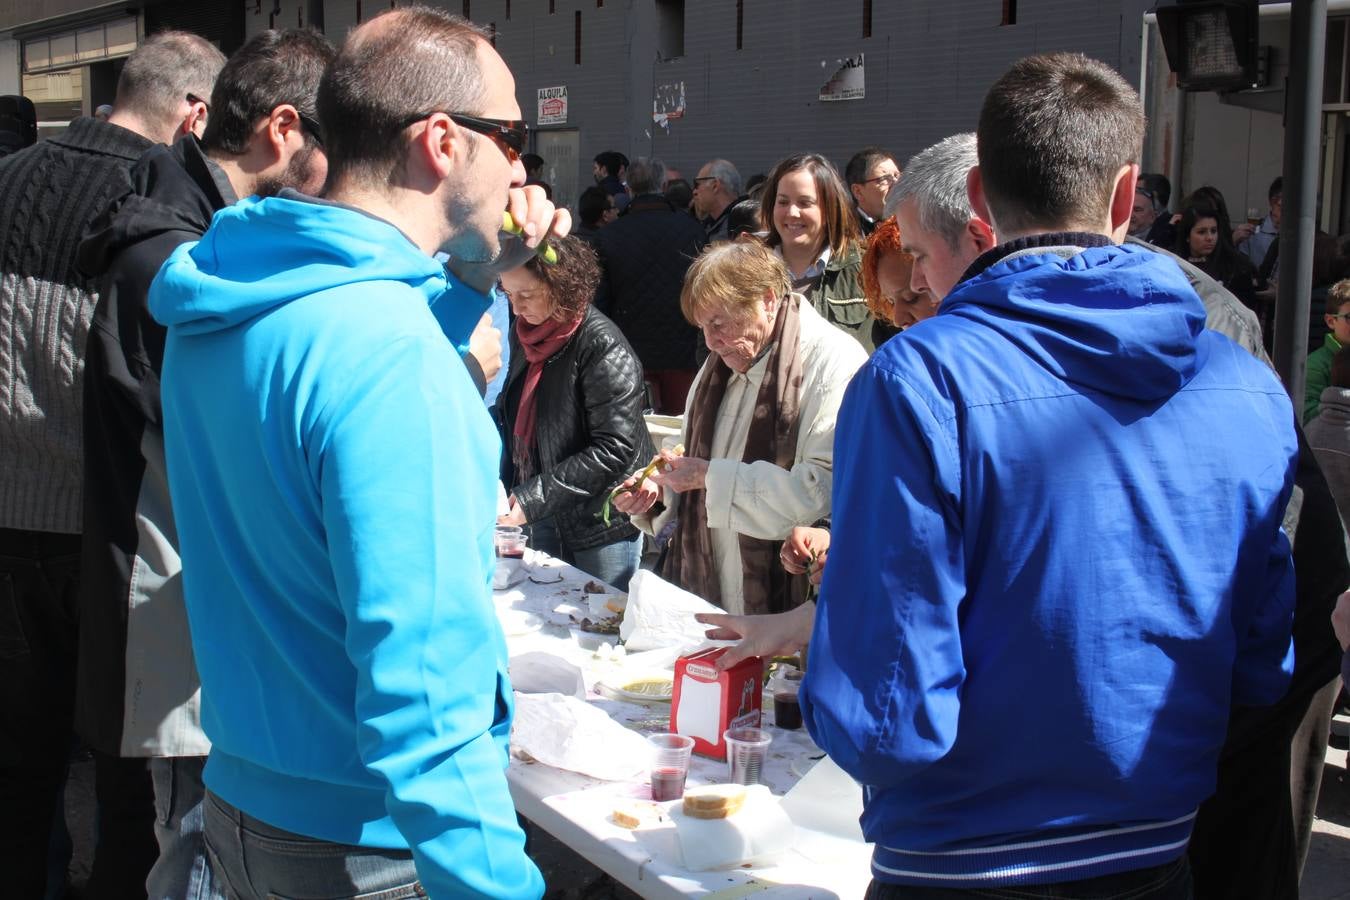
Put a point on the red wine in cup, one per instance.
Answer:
(668, 784)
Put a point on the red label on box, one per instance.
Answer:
(707, 702)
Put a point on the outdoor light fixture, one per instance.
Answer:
(1211, 44)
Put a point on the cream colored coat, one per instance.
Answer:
(761, 499)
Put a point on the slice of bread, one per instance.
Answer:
(715, 801)
(625, 818)
(633, 814)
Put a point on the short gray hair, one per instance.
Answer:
(936, 179)
(157, 78)
(726, 173)
(646, 175)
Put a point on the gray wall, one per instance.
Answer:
(928, 65)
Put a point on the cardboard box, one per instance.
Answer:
(707, 702)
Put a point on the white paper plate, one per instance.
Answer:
(623, 686)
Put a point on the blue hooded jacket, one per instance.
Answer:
(1056, 559)
(332, 468)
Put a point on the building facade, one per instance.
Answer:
(748, 80)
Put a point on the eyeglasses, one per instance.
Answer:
(1338, 316)
(882, 180)
(312, 127)
(193, 98)
(509, 135)
(705, 178)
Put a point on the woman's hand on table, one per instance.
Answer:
(806, 549)
(682, 473)
(515, 517)
(775, 634)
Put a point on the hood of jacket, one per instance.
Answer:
(1119, 320)
(173, 189)
(260, 254)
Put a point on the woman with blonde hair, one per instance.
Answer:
(808, 215)
(758, 433)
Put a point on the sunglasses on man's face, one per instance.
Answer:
(510, 135)
(312, 128)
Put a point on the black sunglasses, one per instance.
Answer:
(311, 127)
(193, 98)
(510, 135)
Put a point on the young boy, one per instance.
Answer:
(1319, 361)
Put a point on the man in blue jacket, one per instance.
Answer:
(1057, 556)
(333, 472)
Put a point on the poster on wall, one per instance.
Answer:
(668, 103)
(847, 82)
(552, 108)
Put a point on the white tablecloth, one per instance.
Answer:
(576, 809)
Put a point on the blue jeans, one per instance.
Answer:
(251, 860)
(181, 872)
(1170, 881)
(613, 563)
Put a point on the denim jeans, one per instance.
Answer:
(39, 587)
(613, 563)
(1170, 881)
(181, 872)
(251, 860)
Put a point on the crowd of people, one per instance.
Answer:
(274, 370)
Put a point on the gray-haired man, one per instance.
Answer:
(937, 224)
(717, 188)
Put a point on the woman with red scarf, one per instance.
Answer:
(571, 416)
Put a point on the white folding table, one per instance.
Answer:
(576, 809)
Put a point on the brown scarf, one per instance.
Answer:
(773, 438)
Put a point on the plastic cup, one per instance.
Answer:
(747, 749)
(670, 764)
(510, 545)
(787, 712)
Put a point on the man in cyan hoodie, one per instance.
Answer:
(333, 473)
(137, 690)
(1057, 555)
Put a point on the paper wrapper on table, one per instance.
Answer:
(571, 734)
(543, 673)
(826, 806)
(661, 615)
(706, 702)
(756, 833)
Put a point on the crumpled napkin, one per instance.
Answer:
(660, 615)
(543, 673)
(572, 734)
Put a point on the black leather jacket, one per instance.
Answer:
(590, 433)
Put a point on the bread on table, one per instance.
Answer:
(715, 801)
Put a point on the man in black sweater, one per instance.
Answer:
(49, 193)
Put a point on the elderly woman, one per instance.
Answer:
(886, 269)
(758, 432)
(571, 414)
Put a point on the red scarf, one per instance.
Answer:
(539, 343)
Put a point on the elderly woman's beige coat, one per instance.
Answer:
(761, 499)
